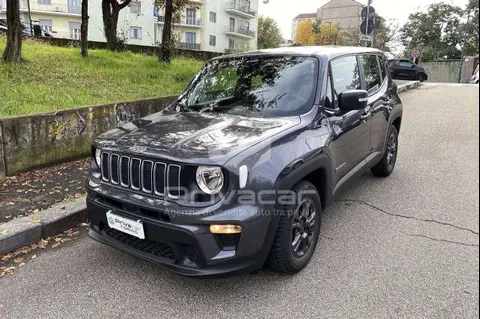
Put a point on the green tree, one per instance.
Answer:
(269, 35)
(473, 38)
(435, 32)
(386, 35)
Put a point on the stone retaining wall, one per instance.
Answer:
(28, 142)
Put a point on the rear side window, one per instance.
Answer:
(372, 74)
(345, 74)
(383, 67)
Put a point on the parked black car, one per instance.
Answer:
(236, 172)
(403, 69)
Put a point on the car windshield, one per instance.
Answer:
(272, 86)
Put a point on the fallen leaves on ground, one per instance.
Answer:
(18, 257)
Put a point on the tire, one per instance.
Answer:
(387, 164)
(421, 77)
(283, 257)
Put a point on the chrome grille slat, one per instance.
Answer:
(141, 175)
(159, 171)
(173, 181)
(135, 173)
(114, 162)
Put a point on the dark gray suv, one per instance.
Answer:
(236, 172)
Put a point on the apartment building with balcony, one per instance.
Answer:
(61, 18)
(210, 25)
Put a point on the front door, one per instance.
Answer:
(380, 101)
(351, 129)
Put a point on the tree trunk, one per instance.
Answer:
(13, 49)
(110, 10)
(166, 46)
(84, 29)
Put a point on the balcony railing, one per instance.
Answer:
(241, 8)
(53, 7)
(188, 46)
(245, 31)
(184, 21)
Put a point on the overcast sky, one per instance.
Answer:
(283, 11)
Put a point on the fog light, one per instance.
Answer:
(225, 229)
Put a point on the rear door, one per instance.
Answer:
(350, 130)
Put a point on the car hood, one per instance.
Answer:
(193, 137)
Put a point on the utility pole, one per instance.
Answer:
(464, 46)
(30, 17)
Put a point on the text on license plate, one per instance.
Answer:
(128, 226)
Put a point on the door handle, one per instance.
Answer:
(364, 117)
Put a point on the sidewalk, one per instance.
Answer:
(30, 192)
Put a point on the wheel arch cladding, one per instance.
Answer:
(397, 123)
(316, 171)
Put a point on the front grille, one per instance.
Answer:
(142, 175)
(145, 245)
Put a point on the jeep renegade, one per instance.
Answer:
(236, 172)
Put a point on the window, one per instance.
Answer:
(191, 15)
(136, 7)
(135, 33)
(213, 17)
(190, 37)
(231, 44)
(330, 101)
(345, 74)
(74, 30)
(46, 25)
(405, 64)
(383, 67)
(213, 40)
(371, 72)
(47, 2)
(274, 86)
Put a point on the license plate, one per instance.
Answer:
(128, 226)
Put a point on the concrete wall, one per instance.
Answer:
(39, 140)
(447, 71)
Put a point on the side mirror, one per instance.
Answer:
(413, 65)
(353, 100)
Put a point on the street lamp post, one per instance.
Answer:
(464, 44)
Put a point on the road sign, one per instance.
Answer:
(366, 37)
(371, 26)
(371, 12)
(415, 54)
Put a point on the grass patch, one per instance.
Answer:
(56, 78)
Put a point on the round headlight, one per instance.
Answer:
(210, 179)
(98, 158)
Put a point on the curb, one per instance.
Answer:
(26, 230)
(408, 86)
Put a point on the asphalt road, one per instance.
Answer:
(402, 247)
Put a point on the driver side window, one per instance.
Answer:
(405, 64)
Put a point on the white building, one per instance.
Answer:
(61, 18)
(209, 25)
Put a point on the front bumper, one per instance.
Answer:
(185, 244)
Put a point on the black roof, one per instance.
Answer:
(321, 51)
